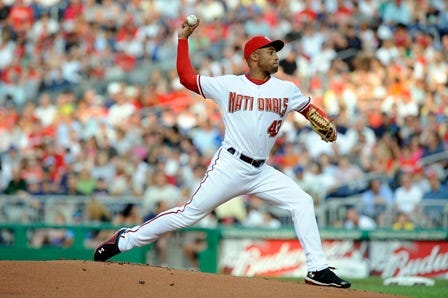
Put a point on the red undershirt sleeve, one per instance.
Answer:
(184, 67)
(304, 112)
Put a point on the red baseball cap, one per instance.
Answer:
(258, 42)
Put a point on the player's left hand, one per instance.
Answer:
(322, 126)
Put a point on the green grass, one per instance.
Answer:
(375, 284)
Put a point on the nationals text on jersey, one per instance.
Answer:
(238, 102)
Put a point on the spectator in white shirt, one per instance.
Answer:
(355, 220)
(44, 28)
(46, 111)
(407, 195)
(122, 109)
(159, 189)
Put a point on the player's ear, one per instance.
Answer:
(254, 56)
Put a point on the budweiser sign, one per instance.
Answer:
(268, 258)
(410, 258)
(276, 257)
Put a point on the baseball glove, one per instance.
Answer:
(321, 125)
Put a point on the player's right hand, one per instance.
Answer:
(186, 29)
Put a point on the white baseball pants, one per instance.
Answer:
(227, 177)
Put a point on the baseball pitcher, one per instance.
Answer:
(254, 106)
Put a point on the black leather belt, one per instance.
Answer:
(254, 162)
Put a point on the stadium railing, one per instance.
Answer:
(44, 209)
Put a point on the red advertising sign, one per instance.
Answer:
(285, 257)
(409, 258)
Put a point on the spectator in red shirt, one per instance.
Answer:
(128, 29)
(21, 17)
(409, 162)
(73, 10)
(344, 12)
(53, 160)
(11, 74)
(401, 36)
(307, 14)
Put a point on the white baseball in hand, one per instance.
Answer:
(192, 20)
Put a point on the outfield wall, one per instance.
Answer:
(355, 254)
(257, 252)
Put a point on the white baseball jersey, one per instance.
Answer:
(252, 114)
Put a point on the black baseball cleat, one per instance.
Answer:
(326, 277)
(108, 248)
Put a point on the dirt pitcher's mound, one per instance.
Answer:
(92, 279)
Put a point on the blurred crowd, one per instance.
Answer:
(90, 102)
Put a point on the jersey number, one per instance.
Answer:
(274, 128)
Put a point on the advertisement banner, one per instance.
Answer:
(285, 257)
(409, 258)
